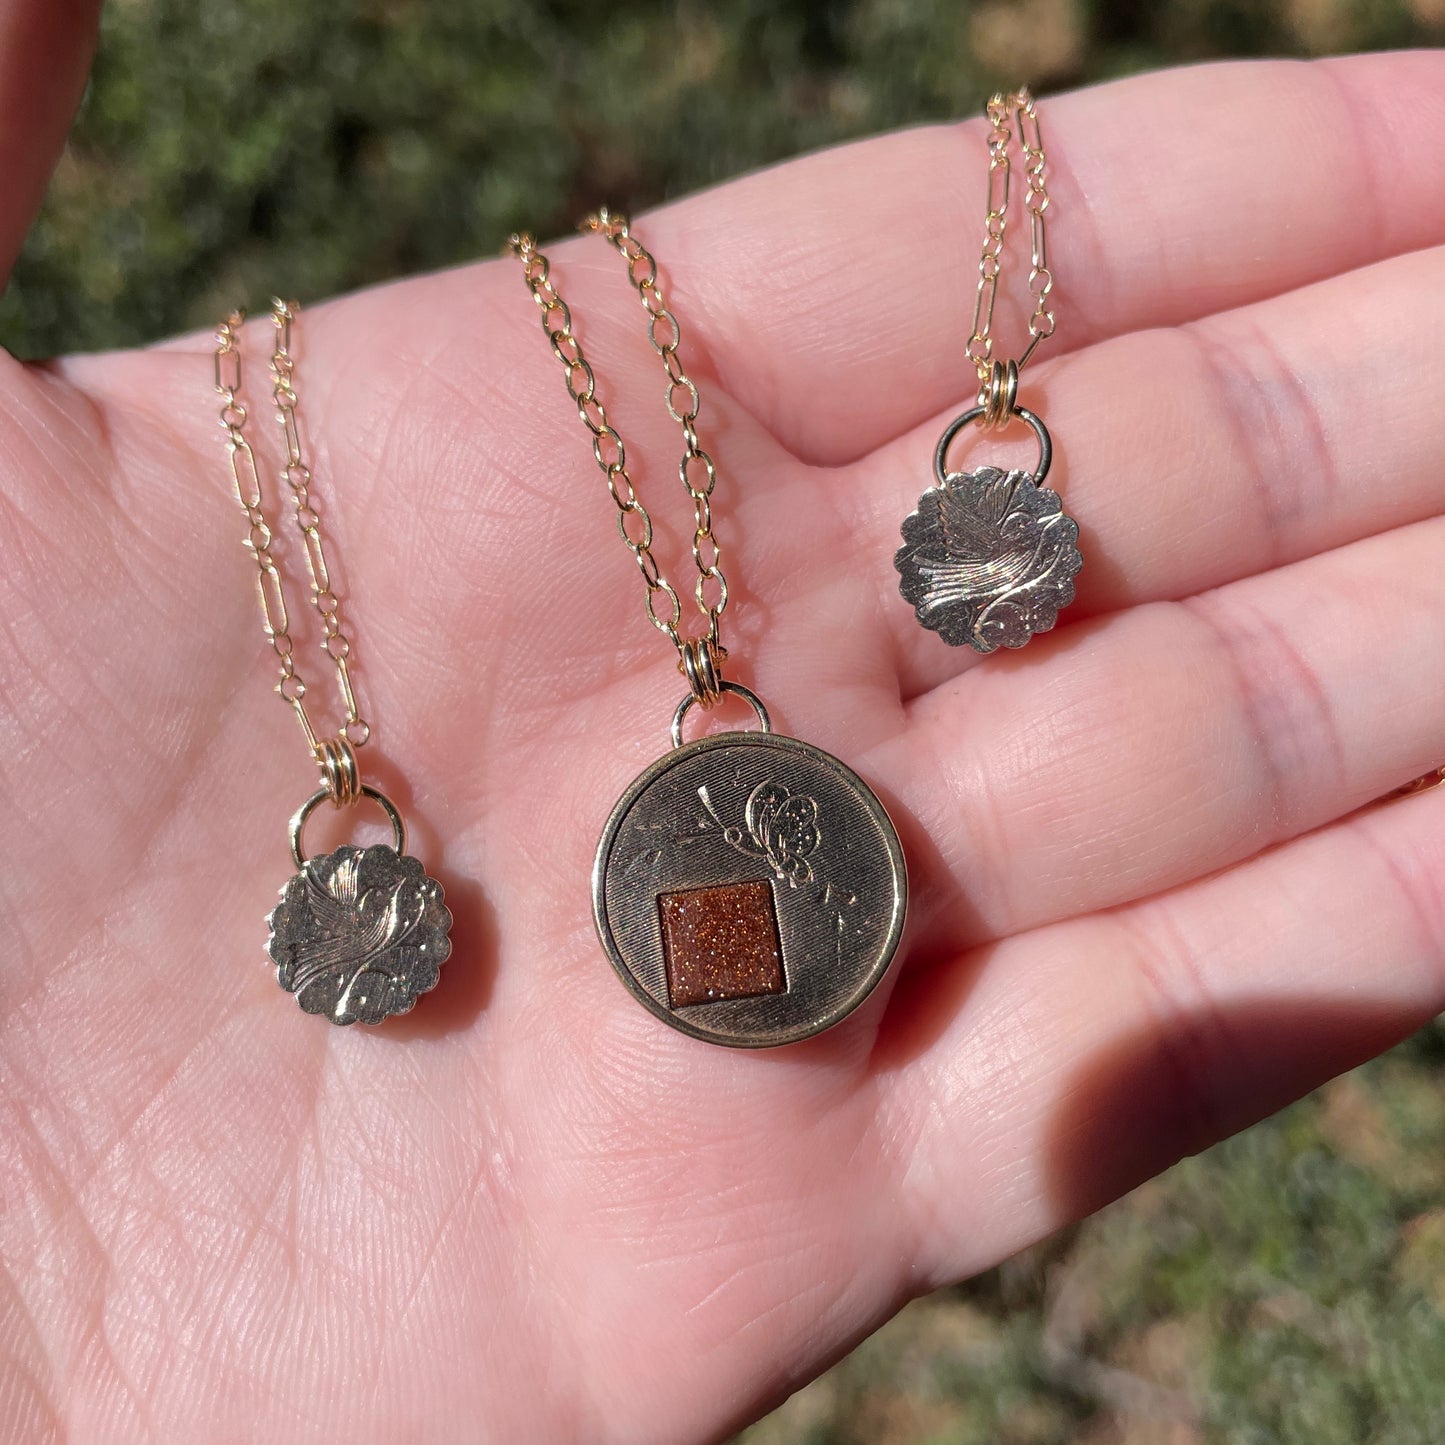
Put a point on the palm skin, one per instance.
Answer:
(1149, 902)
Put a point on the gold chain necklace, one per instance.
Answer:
(359, 933)
(748, 888)
(989, 558)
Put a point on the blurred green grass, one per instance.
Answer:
(1286, 1288)
(228, 147)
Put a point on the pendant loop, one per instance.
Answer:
(321, 795)
(1046, 446)
(765, 724)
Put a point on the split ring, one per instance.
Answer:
(339, 770)
(699, 663)
(1000, 395)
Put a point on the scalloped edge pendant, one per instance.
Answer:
(988, 559)
(359, 934)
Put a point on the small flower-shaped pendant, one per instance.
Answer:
(988, 559)
(359, 934)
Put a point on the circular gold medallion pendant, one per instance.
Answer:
(749, 889)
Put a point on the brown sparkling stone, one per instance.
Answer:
(721, 943)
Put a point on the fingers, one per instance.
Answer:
(1170, 741)
(45, 51)
(1195, 456)
(1188, 458)
(838, 289)
(1080, 1060)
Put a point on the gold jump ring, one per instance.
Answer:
(765, 723)
(973, 414)
(299, 817)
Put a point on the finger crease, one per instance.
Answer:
(1243, 419)
(1284, 709)
(1415, 885)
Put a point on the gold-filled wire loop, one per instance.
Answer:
(701, 664)
(321, 795)
(339, 771)
(975, 413)
(765, 723)
(999, 395)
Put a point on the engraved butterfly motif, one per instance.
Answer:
(781, 827)
(359, 954)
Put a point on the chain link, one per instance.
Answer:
(683, 406)
(698, 658)
(275, 619)
(1005, 114)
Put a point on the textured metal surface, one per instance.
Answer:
(743, 808)
(359, 934)
(988, 559)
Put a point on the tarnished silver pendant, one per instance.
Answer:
(749, 889)
(989, 558)
(361, 933)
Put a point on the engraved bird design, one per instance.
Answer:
(355, 930)
(989, 559)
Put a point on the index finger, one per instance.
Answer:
(45, 50)
(834, 294)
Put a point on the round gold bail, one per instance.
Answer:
(339, 771)
(701, 665)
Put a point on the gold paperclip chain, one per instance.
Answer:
(998, 381)
(699, 658)
(336, 756)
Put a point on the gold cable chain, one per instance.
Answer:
(998, 381)
(699, 658)
(336, 756)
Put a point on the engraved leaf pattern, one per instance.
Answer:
(780, 827)
(355, 950)
(988, 559)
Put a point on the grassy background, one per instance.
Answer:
(1288, 1287)
(229, 147)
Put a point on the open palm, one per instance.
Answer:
(1147, 904)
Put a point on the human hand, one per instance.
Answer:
(1146, 908)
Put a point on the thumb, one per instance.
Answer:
(45, 52)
